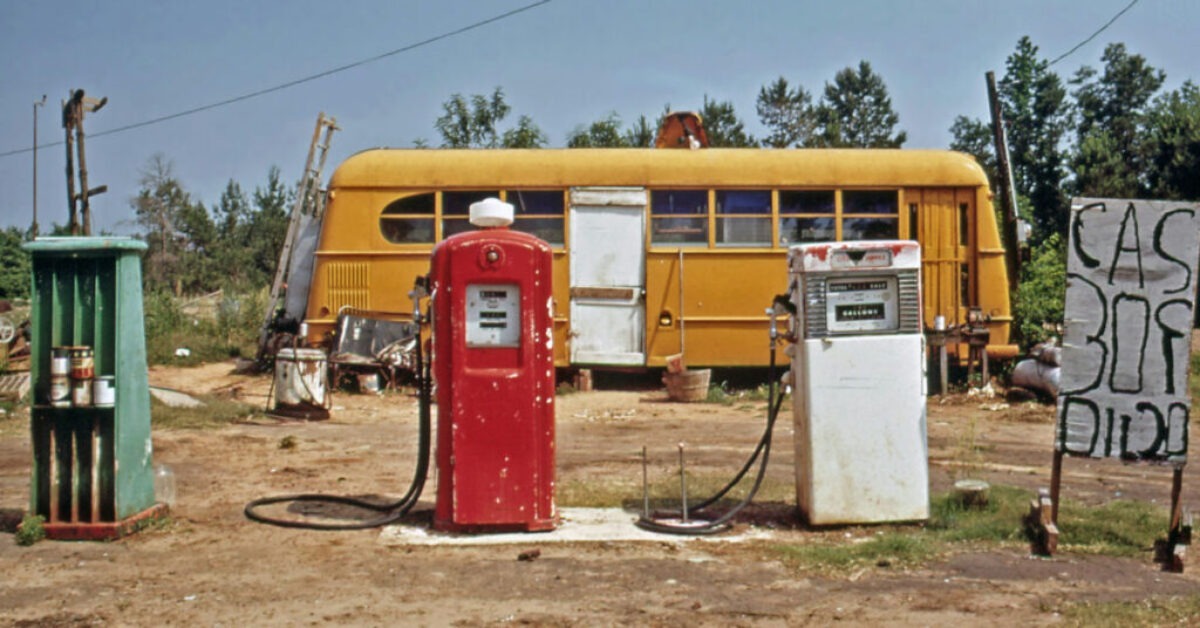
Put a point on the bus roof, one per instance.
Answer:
(709, 167)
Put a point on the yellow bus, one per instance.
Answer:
(661, 252)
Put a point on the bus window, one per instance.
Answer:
(743, 217)
(539, 213)
(679, 217)
(456, 209)
(806, 216)
(408, 220)
(870, 215)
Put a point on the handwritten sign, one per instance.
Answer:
(1131, 290)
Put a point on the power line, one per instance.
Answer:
(293, 83)
(1093, 35)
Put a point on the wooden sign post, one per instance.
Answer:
(1131, 287)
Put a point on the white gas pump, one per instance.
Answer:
(859, 401)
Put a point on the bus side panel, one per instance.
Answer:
(942, 255)
(367, 281)
(992, 278)
(725, 296)
(562, 304)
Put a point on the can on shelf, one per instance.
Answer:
(104, 391)
(60, 361)
(60, 391)
(81, 393)
(83, 365)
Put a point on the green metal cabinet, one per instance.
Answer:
(92, 472)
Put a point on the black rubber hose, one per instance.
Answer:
(774, 403)
(720, 524)
(395, 510)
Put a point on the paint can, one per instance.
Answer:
(60, 361)
(81, 393)
(104, 391)
(83, 365)
(60, 391)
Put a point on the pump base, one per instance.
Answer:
(540, 525)
(105, 531)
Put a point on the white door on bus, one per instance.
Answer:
(608, 270)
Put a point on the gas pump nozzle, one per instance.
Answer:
(781, 306)
(420, 291)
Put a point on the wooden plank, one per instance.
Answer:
(624, 294)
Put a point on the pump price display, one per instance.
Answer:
(858, 286)
(861, 305)
(493, 315)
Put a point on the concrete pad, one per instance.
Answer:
(578, 525)
(175, 398)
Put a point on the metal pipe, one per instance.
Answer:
(682, 324)
(683, 484)
(645, 486)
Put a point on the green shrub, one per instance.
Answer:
(1040, 295)
(230, 331)
(31, 530)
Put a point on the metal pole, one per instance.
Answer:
(645, 486)
(683, 483)
(38, 103)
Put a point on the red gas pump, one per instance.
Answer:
(493, 362)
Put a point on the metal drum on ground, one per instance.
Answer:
(300, 383)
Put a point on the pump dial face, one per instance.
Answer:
(493, 315)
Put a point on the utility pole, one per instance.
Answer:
(36, 104)
(1008, 192)
(73, 110)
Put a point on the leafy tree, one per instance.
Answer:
(973, 137)
(607, 133)
(1039, 298)
(525, 135)
(475, 123)
(267, 228)
(15, 265)
(856, 111)
(232, 250)
(1112, 109)
(1172, 143)
(723, 127)
(789, 114)
(603, 133)
(640, 134)
(1037, 113)
(159, 207)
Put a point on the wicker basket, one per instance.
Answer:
(688, 385)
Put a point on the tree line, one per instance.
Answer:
(1110, 131)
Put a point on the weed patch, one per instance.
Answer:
(1120, 528)
(212, 413)
(1181, 611)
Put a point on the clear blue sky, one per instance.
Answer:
(564, 64)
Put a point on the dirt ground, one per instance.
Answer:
(212, 566)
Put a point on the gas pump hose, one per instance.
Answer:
(721, 523)
(394, 510)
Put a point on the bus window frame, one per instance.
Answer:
(893, 216)
(716, 221)
(384, 216)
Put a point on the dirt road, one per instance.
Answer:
(211, 566)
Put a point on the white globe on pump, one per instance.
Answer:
(491, 212)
